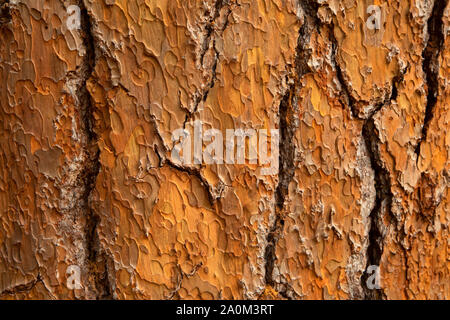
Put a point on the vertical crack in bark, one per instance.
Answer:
(219, 5)
(287, 148)
(384, 195)
(288, 126)
(286, 173)
(210, 27)
(97, 267)
(5, 15)
(346, 97)
(430, 64)
(383, 201)
(193, 172)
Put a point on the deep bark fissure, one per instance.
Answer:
(92, 165)
(195, 173)
(210, 28)
(347, 98)
(287, 148)
(383, 199)
(220, 4)
(430, 64)
(21, 288)
(163, 159)
(5, 14)
(384, 195)
(383, 187)
(286, 168)
(285, 175)
(287, 125)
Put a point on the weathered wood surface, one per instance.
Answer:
(358, 90)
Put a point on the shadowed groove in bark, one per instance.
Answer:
(287, 148)
(346, 97)
(164, 159)
(285, 175)
(22, 287)
(219, 5)
(286, 171)
(92, 165)
(210, 27)
(430, 65)
(383, 199)
(5, 15)
(384, 195)
(195, 173)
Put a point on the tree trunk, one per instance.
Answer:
(99, 198)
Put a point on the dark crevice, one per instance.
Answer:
(383, 201)
(287, 114)
(389, 99)
(346, 97)
(384, 195)
(5, 14)
(287, 148)
(430, 64)
(164, 160)
(383, 187)
(286, 173)
(220, 4)
(311, 23)
(98, 273)
(209, 36)
(394, 93)
(87, 69)
(210, 27)
(22, 287)
(193, 172)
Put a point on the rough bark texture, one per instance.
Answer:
(87, 178)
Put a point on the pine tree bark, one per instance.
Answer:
(357, 89)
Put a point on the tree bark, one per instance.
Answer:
(90, 189)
